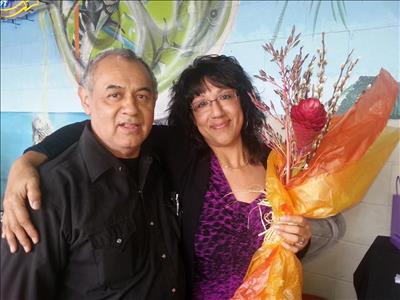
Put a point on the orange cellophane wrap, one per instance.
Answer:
(344, 166)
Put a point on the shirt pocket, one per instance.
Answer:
(114, 248)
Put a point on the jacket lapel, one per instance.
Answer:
(193, 198)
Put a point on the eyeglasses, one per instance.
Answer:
(204, 105)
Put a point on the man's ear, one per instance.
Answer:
(84, 96)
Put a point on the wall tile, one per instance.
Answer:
(337, 262)
(344, 291)
(395, 156)
(395, 171)
(319, 285)
(365, 221)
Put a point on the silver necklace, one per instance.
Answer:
(229, 167)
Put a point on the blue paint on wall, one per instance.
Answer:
(16, 135)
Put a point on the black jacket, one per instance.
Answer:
(109, 231)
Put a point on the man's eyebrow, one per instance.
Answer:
(113, 87)
(147, 89)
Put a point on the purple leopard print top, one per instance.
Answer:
(226, 239)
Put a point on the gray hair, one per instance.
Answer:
(127, 54)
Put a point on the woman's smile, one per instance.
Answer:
(220, 125)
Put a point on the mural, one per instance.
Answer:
(338, 9)
(167, 35)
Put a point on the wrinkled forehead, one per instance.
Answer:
(119, 69)
(116, 63)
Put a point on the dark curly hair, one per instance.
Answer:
(221, 71)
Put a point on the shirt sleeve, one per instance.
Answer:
(38, 274)
(60, 140)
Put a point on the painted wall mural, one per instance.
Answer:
(167, 35)
(46, 44)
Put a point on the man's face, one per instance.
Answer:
(121, 105)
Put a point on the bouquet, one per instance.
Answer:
(321, 163)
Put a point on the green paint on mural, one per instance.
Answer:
(162, 12)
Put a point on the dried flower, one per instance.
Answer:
(305, 121)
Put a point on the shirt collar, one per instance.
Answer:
(98, 159)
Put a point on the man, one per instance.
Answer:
(107, 230)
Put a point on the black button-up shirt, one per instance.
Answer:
(108, 231)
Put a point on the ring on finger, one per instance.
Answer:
(301, 241)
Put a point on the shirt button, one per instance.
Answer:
(120, 169)
(173, 290)
(119, 241)
(163, 256)
(151, 223)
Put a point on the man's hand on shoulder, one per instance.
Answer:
(22, 184)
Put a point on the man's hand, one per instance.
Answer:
(22, 185)
(295, 231)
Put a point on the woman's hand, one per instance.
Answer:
(22, 185)
(295, 231)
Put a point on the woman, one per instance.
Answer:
(217, 164)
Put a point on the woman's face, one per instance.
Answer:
(218, 115)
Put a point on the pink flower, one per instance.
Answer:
(308, 119)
